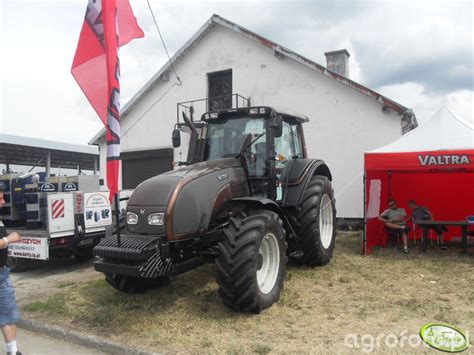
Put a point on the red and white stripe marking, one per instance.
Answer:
(58, 208)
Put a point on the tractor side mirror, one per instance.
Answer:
(276, 125)
(176, 138)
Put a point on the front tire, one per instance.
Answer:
(84, 254)
(251, 266)
(18, 264)
(315, 222)
(130, 284)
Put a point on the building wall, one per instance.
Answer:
(343, 122)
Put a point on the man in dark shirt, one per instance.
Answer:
(424, 214)
(9, 314)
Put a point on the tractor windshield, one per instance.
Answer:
(233, 136)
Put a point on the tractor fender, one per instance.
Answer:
(297, 179)
(258, 202)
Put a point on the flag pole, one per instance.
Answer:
(117, 218)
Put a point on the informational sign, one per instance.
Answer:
(97, 211)
(78, 206)
(47, 187)
(30, 248)
(70, 186)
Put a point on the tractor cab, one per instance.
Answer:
(265, 140)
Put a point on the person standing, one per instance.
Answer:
(394, 219)
(9, 314)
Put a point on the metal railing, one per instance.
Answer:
(201, 106)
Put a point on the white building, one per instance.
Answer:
(346, 118)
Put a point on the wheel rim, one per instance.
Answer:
(269, 260)
(326, 226)
(12, 262)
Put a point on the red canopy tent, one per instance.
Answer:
(433, 164)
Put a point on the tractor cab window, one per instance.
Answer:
(246, 135)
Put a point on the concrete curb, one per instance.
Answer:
(78, 338)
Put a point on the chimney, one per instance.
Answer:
(338, 62)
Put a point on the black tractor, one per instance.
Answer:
(247, 199)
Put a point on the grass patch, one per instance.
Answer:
(53, 305)
(65, 284)
(387, 292)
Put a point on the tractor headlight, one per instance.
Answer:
(156, 219)
(132, 218)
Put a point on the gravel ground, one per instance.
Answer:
(47, 277)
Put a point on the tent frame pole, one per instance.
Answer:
(364, 237)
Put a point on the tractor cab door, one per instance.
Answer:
(287, 148)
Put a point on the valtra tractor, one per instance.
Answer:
(247, 199)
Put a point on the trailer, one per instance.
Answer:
(56, 215)
(74, 222)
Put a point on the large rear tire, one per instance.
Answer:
(130, 284)
(251, 266)
(315, 222)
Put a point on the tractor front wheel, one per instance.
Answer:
(130, 284)
(251, 266)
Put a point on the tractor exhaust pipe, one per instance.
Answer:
(192, 139)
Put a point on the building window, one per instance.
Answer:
(220, 90)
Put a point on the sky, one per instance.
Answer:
(418, 53)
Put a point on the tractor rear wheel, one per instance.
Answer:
(130, 284)
(315, 222)
(251, 266)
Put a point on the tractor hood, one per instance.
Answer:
(189, 197)
(157, 190)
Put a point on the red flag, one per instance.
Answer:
(108, 24)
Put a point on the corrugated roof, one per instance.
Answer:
(32, 151)
(218, 20)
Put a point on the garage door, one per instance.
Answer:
(142, 165)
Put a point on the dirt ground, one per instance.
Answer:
(44, 278)
(354, 304)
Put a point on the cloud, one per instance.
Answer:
(425, 103)
(418, 53)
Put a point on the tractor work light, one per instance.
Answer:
(257, 111)
(132, 218)
(213, 115)
(156, 219)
